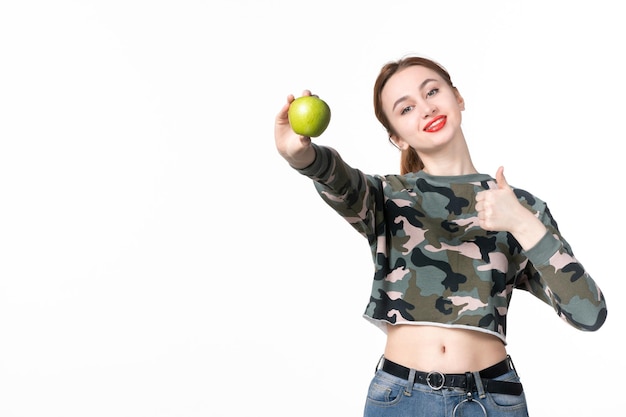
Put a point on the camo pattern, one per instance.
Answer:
(435, 265)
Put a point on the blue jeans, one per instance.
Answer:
(390, 396)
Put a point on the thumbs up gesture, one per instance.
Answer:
(499, 210)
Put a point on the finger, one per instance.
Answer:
(500, 180)
(308, 93)
(480, 196)
(282, 115)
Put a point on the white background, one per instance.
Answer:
(157, 256)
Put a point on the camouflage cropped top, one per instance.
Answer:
(433, 263)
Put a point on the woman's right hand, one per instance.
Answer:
(296, 149)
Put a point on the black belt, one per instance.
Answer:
(438, 380)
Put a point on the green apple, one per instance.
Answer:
(309, 116)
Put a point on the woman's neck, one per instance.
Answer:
(449, 166)
(455, 160)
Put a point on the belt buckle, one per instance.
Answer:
(436, 387)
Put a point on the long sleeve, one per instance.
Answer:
(555, 276)
(353, 194)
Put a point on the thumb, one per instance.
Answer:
(500, 180)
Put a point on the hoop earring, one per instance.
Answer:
(395, 144)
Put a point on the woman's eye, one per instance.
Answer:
(406, 109)
(432, 92)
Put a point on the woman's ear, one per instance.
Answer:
(459, 99)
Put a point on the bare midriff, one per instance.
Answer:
(447, 350)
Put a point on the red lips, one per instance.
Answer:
(436, 124)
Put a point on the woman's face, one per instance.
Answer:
(424, 111)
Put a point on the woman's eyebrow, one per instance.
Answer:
(398, 101)
(401, 99)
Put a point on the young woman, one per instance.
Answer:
(449, 245)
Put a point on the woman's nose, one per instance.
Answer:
(428, 110)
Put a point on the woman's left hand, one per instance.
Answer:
(500, 210)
